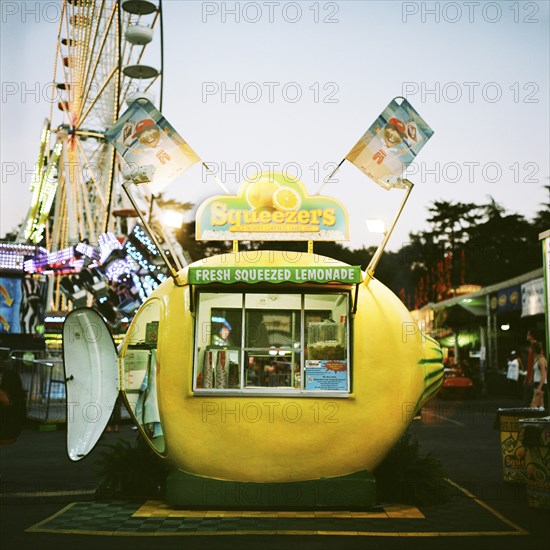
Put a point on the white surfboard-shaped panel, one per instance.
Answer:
(92, 379)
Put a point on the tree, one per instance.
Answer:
(450, 221)
(542, 219)
(502, 247)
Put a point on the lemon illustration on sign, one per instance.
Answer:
(286, 199)
(260, 193)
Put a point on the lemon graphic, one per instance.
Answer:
(286, 199)
(260, 193)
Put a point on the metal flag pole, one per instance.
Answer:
(327, 179)
(218, 181)
(149, 229)
(167, 239)
(379, 251)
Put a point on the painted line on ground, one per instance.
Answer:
(483, 504)
(441, 417)
(39, 494)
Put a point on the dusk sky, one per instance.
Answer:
(477, 72)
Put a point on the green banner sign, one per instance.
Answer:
(274, 275)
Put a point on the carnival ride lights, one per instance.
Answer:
(144, 239)
(136, 255)
(107, 244)
(150, 284)
(63, 262)
(90, 267)
(13, 256)
(37, 180)
(88, 250)
(129, 267)
(154, 274)
(142, 250)
(46, 196)
(54, 319)
(118, 270)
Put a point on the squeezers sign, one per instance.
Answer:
(272, 207)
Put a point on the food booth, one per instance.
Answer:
(282, 377)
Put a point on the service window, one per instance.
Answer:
(272, 343)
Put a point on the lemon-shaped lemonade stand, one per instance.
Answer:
(268, 378)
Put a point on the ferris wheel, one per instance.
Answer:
(108, 54)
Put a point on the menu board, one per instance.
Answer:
(326, 375)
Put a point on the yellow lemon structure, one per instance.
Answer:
(394, 369)
(250, 437)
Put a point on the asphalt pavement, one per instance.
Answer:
(39, 481)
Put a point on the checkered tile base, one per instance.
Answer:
(464, 515)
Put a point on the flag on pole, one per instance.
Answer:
(153, 152)
(391, 144)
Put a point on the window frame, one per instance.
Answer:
(256, 391)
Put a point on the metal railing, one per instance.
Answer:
(43, 380)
